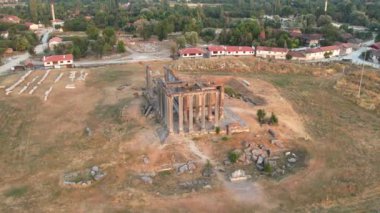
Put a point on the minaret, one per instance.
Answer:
(52, 9)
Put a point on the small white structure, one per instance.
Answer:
(54, 42)
(57, 22)
(31, 26)
(58, 61)
(271, 52)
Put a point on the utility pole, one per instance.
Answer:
(326, 3)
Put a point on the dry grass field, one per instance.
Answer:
(42, 140)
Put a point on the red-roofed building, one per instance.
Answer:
(345, 48)
(193, 52)
(216, 50)
(58, 61)
(376, 46)
(312, 40)
(10, 19)
(54, 42)
(31, 26)
(271, 52)
(57, 22)
(297, 55)
(319, 53)
(239, 50)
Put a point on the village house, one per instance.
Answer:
(54, 42)
(239, 50)
(271, 52)
(58, 61)
(193, 52)
(31, 26)
(312, 40)
(10, 19)
(345, 48)
(216, 51)
(297, 55)
(57, 22)
(322, 52)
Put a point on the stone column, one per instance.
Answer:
(180, 113)
(169, 112)
(185, 110)
(221, 102)
(217, 97)
(159, 99)
(191, 117)
(199, 106)
(203, 111)
(209, 107)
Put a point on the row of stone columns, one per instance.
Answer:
(186, 109)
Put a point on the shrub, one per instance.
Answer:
(217, 130)
(273, 120)
(261, 115)
(16, 191)
(225, 138)
(233, 156)
(267, 168)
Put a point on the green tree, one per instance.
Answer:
(273, 120)
(98, 46)
(192, 38)
(208, 35)
(181, 42)
(21, 43)
(92, 32)
(109, 36)
(120, 47)
(261, 115)
(324, 20)
(76, 52)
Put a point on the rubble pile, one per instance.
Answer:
(83, 178)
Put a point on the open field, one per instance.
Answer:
(338, 142)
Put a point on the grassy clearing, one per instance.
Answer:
(16, 192)
(345, 139)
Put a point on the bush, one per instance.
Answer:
(261, 115)
(233, 156)
(267, 168)
(225, 138)
(217, 130)
(273, 120)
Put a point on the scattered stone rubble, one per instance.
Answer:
(239, 175)
(187, 167)
(197, 183)
(83, 178)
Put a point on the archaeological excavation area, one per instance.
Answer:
(161, 137)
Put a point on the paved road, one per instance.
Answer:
(16, 60)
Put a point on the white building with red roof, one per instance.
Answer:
(193, 52)
(271, 52)
(239, 50)
(58, 61)
(321, 52)
(54, 42)
(216, 51)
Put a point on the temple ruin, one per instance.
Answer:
(185, 106)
